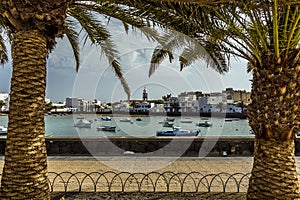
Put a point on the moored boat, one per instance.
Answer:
(168, 124)
(107, 128)
(80, 117)
(125, 120)
(167, 120)
(204, 124)
(186, 120)
(106, 118)
(3, 130)
(177, 131)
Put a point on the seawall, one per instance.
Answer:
(154, 146)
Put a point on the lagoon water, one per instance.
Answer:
(63, 126)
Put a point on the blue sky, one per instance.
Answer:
(96, 79)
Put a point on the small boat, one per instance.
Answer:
(138, 119)
(168, 124)
(125, 120)
(49, 135)
(204, 124)
(83, 123)
(3, 130)
(177, 131)
(187, 120)
(106, 118)
(107, 128)
(80, 117)
(167, 120)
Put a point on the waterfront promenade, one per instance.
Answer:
(82, 165)
(87, 177)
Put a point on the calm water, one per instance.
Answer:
(63, 126)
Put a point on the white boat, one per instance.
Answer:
(204, 124)
(83, 123)
(106, 118)
(168, 124)
(3, 130)
(125, 120)
(187, 120)
(169, 119)
(177, 131)
(80, 117)
(107, 128)
(166, 120)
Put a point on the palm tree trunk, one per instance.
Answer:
(274, 174)
(25, 174)
(273, 117)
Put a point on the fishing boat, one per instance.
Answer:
(177, 131)
(107, 128)
(204, 124)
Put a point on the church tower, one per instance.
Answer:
(145, 94)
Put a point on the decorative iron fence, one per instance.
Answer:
(147, 182)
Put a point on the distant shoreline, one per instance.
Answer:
(169, 114)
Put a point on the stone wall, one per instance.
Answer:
(162, 146)
(154, 146)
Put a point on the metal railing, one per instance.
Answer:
(111, 181)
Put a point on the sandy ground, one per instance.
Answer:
(150, 164)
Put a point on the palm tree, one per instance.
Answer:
(33, 27)
(267, 34)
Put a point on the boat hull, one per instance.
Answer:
(107, 129)
(177, 132)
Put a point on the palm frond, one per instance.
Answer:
(72, 36)
(98, 35)
(159, 54)
(3, 52)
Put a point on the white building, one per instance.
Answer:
(123, 106)
(141, 107)
(157, 108)
(186, 101)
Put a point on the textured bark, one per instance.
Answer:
(273, 116)
(25, 169)
(274, 174)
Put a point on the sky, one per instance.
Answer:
(96, 79)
